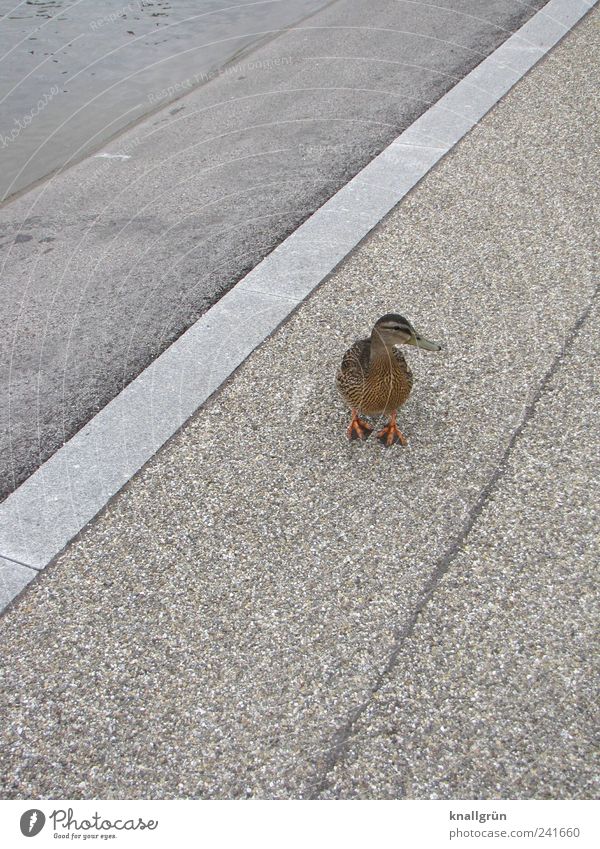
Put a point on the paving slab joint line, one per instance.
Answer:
(342, 736)
(18, 562)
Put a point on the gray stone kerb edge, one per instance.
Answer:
(67, 491)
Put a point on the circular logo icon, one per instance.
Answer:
(32, 822)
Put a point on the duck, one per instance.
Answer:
(374, 378)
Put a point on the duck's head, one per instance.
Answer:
(393, 329)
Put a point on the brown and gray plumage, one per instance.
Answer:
(375, 379)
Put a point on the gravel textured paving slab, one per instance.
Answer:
(495, 692)
(213, 631)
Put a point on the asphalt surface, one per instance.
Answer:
(268, 611)
(108, 263)
(72, 75)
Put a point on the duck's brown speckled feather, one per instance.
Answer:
(374, 387)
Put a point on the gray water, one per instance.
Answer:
(75, 72)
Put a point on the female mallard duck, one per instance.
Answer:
(374, 377)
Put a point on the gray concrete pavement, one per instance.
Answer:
(105, 265)
(219, 629)
(494, 692)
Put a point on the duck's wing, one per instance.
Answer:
(355, 364)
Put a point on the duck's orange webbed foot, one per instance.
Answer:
(391, 433)
(358, 429)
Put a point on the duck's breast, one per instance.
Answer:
(388, 384)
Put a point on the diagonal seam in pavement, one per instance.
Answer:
(18, 562)
(341, 738)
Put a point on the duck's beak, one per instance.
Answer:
(420, 342)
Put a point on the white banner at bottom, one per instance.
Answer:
(291, 824)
